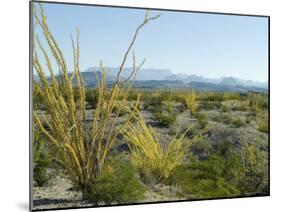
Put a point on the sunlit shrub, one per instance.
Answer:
(117, 184)
(165, 119)
(206, 179)
(229, 120)
(41, 159)
(255, 164)
(210, 105)
(262, 123)
(202, 119)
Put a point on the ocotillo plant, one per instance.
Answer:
(190, 101)
(147, 154)
(81, 150)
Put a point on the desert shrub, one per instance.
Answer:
(153, 103)
(81, 151)
(115, 185)
(133, 95)
(224, 172)
(212, 97)
(224, 109)
(229, 120)
(179, 97)
(255, 164)
(226, 119)
(209, 105)
(234, 96)
(237, 122)
(255, 103)
(120, 110)
(201, 149)
(241, 107)
(92, 97)
(190, 101)
(202, 119)
(148, 156)
(169, 107)
(209, 178)
(180, 108)
(223, 148)
(262, 123)
(41, 159)
(165, 119)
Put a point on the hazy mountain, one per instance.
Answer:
(230, 81)
(164, 78)
(143, 74)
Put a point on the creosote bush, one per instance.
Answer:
(210, 105)
(202, 119)
(218, 174)
(81, 150)
(256, 103)
(41, 159)
(91, 97)
(262, 122)
(206, 179)
(121, 110)
(255, 165)
(166, 119)
(117, 184)
(229, 120)
(223, 172)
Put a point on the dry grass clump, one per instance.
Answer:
(81, 150)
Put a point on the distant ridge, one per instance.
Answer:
(164, 78)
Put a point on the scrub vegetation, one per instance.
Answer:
(116, 144)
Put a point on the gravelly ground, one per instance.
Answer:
(59, 193)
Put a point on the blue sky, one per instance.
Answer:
(192, 43)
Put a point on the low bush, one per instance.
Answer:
(120, 110)
(133, 95)
(229, 120)
(256, 103)
(255, 165)
(225, 109)
(226, 119)
(212, 97)
(41, 160)
(211, 178)
(224, 172)
(201, 149)
(234, 96)
(202, 119)
(209, 105)
(237, 122)
(115, 185)
(165, 119)
(262, 123)
(241, 107)
(91, 96)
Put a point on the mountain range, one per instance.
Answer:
(165, 78)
